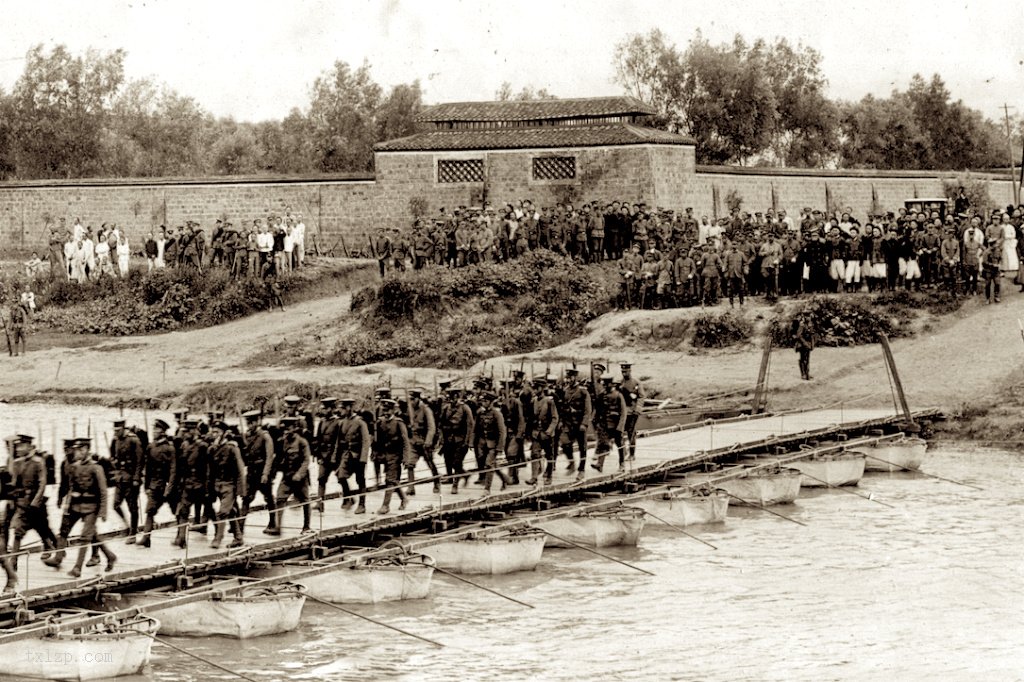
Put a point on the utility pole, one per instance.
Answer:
(1009, 145)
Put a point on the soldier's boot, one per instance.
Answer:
(505, 480)
(404, 500)
(274, 524)
(321, 491)
(76, 571)
(218, 535)
(434, 474)
(111, 558)
(236, 531)
(55, 559)
(385, 508)
(94, 559)
(549, 472)
(12, 576)
(361, 509)
(411, 490)
(306, 513)
(535, 465)
(181, 538)
(133, 530)
(567, 451)
(147, 528)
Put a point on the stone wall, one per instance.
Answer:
(341, 211)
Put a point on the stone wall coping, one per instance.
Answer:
(779, 171)
(217, 180)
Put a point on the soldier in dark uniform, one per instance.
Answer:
(611, 422)
(325, 446)
(294, 468)
(392, 443)
(515, 423)
(227, 479)
(354, 444)
(543, 430)
(293, 408)
(456, 432)
(28, 477)
(191, 477)
(126, 465)
(158, 477)
(576, 413)
(6, 510)
(422, 434)
(379, 395)
(86, 490)
(633, 392)
(491, 435)
(259, 469)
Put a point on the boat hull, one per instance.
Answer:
(490, 554)
(900, 455)
(362, 584)
(760, 488)
(596, 529)
(685, 508)
(249, 614)
(92, 656)
(830, 470)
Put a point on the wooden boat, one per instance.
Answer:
(898, 454)
(375, 580)
(113, 648)
(658, 418)
(830, 469)
(254, 611)
(761, 486)
(494, 554)
(686, 506)
(600, 528)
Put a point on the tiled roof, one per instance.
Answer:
(539, 137)
(534, 109)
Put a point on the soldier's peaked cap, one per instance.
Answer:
(291, 421)
(219, 425)
(626, 365)
(191, 423)
(417, 391)
(118, 422)
(444, 385)
(599, 367)
(606, 377)
(383, 390)
(518, 373)
(292, 399)
(327, 402)
(388, 402)
(348, 402)
(70, 442)
(571, 371)
(161, 424)
(488, 395)
(251, 415)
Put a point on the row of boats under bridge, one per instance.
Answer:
(263, 597)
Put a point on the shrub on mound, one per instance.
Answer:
(720, 331)
(836, 321)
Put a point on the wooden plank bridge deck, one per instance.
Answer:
(657, 454)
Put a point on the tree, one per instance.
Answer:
(651, 70)
(342, 118)
(61, 103)
(7, 163)
(236, 150)
(396, 115)
(528, 93)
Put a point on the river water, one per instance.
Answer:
(929, 589)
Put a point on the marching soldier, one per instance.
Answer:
(542, 431)
(576, 415)
(294, 468)
(86, 489)
(515, 422)
(191, 477)
(457, 429)
(611, 422)
(227, 481)
(393, 446)
(293, 408)
(259, 469)
(354, 444)
(379, 396)
(422, 433)
(327, 447)
(159, 477)
(490, 439)
(126, 463)
(634, 394)
(28, 477)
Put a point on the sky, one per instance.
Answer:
(256, 60)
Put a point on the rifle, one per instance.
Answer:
(10, 348)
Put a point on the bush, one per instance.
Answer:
(720, 331)
(835, 322)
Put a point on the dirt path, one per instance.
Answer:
(965, 358)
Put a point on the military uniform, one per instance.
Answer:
(259, 468)
(515, 424)
(422, 434)
(354, 444)
(491, 435)
(227, 481)
(126, 465)
(633, 393)
(542, 434)
(294, 468)
(392, 442)
(611, 422)
(457, 429)
(576, 413)
(86, 489)
(158, 478)
(28, 475)
(191, 480)
(326, 446)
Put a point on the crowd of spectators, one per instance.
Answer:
(262, 249)
(668, 258)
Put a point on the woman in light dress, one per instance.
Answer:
(123, 255)
(1009, 261)
(103, 265)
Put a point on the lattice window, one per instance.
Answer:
(554, 168)
(460, 170)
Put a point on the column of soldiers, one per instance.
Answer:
(210, 471)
